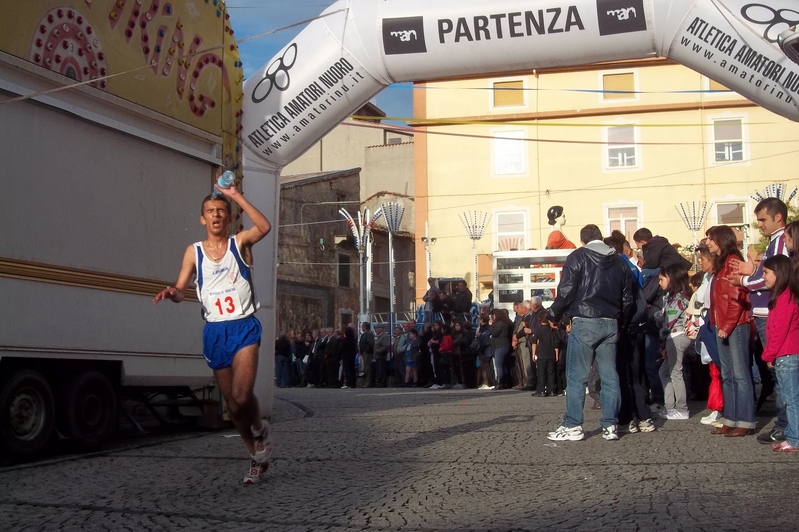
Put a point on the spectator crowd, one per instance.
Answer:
(639, 331)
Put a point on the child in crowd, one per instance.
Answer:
(547, 341)
(782, 349)
(706, 338)
(484, 363)
(411, 357)
(444, 371)
(673, 279)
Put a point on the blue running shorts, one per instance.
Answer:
(223, 339)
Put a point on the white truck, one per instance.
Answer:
(101, 190)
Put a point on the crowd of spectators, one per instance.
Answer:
(640, 331)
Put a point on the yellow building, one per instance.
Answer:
(619, 145)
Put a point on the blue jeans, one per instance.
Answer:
(782, 419)
(787, 370)
(592, 340)
(282, 369)
(736, 379)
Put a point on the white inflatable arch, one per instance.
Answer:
(359, 47)
(342, 60)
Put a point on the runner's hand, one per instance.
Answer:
(167, 293)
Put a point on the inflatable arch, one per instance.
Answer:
(358, 47)
(361, 46)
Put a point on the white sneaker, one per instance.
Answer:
(676, 415)
(344, 387)
(711, 417)
(436, 387)
(263, 443)
(566, 434)
(646, 425)
(632, 428)
(256, 472)
(483, 387)
(610, 433)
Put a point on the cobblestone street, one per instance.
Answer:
(400, 459)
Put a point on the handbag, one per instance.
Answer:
(692, 325)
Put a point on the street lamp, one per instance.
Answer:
(428, 241)
(693, 215)
(362, 233)
(392, 212)
(475, 223)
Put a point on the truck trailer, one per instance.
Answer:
(101, 193)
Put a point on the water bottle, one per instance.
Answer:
(225, 180)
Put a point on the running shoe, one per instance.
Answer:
(646, 425)
(675, 414)
(256, 472)
(567, 434)
(609, 433)
(632, 428)
(263, 443)
(715, 415)
(784, 447)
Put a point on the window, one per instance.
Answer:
(622, 151)
(618, 86)
(344, 270)
(508, 93)
(716, 86)
(511, 230)
(731, 213)
(728, 140)
(624, 219)
(345, 317)
(510, 153)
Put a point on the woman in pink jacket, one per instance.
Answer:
(782, 349)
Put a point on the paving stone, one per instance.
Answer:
(416, 460)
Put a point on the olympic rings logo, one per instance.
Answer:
(775, 20)
(277, 75)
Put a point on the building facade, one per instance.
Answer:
(359, 165)
(620, 145)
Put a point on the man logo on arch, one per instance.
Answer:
(404, 35)
(620, 16)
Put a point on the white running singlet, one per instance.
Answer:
(225, 288)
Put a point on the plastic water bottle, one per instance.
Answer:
(225, 180)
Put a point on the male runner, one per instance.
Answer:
(232, 334)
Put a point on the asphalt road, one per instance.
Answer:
(418, 460)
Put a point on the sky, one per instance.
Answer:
(253, 17)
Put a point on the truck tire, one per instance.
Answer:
(27, 413)
(89, 409)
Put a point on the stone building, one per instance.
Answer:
(317, 270)
(359, 165)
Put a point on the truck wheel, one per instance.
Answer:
(89, 409)
(27, 413)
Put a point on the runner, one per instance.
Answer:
(232, 334)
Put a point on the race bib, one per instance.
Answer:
(226, 304)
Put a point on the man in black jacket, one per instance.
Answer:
(462, 302)
(595, 289)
